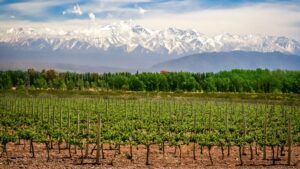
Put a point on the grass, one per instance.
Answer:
(285, 97)
(290, 98)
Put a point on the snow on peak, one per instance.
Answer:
(130, 36)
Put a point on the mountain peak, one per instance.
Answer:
(124, 24)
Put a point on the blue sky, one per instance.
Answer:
(208, 16)
(40, 10)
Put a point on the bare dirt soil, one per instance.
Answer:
(20, 158)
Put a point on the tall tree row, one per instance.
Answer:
(259, 80)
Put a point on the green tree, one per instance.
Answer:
(119, 82)
(5, 81)
(40, 82)
(135, 84)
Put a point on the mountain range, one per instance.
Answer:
(125, 45)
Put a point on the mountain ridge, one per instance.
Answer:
(129, 36)
(220, 61)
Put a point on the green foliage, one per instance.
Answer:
(6, 138)
(146, 121)
(40, 82)
(135, 84)
(118, 82)
(5, 81)
(266, 81)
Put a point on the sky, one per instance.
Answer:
(211, 17)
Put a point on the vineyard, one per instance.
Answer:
(92, 131)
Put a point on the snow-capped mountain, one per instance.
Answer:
(130, 37)
(123, 45)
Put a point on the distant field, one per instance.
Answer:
(289, 98)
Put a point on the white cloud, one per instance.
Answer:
(12, 17)
(111, 5)
(92, 16)
(34, 8)
(109, 16)
(75, 10)
(142, 11)
(265, 19)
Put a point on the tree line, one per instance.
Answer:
(259, 80)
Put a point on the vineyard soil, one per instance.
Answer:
(19, 159)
